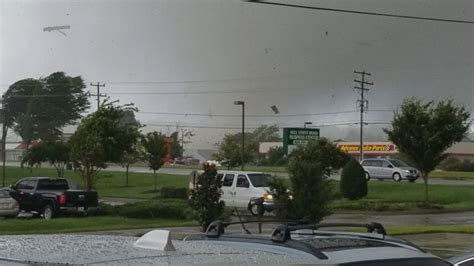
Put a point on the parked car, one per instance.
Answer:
(187, 160)
(289, 244)
(51, 196)
(307, 244)
(9, 207)
(247, 190)
(463, 260)
(389, 169)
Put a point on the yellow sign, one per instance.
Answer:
(367, 148)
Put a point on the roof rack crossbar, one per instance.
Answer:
(371, 227)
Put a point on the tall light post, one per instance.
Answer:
(242, 103)
(307, 123)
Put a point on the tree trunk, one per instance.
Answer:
(87, 179)
(425, 180)
(154, 176)
(126, 175)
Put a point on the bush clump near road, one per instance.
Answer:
(173, 193)
(312, 191)
(456, 164)
(353, 183)
(166, 208)
(205, 199)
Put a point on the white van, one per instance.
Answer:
(243, 190)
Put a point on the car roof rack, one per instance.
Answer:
(282, 233)
(217, 228)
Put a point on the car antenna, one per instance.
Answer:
(241, 223)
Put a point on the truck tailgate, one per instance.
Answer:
(80, 198)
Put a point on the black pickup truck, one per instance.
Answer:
(51, 196)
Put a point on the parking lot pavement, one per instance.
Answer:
(445, 245)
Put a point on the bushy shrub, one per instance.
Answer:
(281, 162)
(281, 196)
(263, 162)
(168, 209)
(456, 164)
(173, 193)
(311, 190)
(353, 184)
(373, 205)
(205, 199)
(275, 154)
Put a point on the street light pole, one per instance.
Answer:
(243, 132)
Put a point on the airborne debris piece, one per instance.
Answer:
(57, 28)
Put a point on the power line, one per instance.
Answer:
(193, 81)
(201, 126)
(364, 12)
(248, 115)
(202, 92)
(194, 92)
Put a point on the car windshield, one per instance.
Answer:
(398, 163)
(259, 180)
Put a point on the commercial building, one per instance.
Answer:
(382, 149)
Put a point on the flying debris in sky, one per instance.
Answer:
(57, 28)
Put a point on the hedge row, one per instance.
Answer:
(166, 208)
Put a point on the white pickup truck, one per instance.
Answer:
(243, 190)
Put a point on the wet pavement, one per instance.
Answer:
(450, 218)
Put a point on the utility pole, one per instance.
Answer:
(98, 85)
(363, 105)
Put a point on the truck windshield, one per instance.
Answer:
(259, 180)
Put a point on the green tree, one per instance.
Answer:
(155, 149)
(424, 131)
(58, 155)
(205, 199)
(275, 156)
(176, 147)
(40, 108)
(101, 138)
(54, 152)
(132, 155)
(230, 149)
(353, 184)
(36, 155)
(312, 191)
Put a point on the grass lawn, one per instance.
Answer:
(426, 229)
(383, 196)
(84, 224)
(390, 196)
(267, 169)
(109, 184)
(415, 229)
(452, 175)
